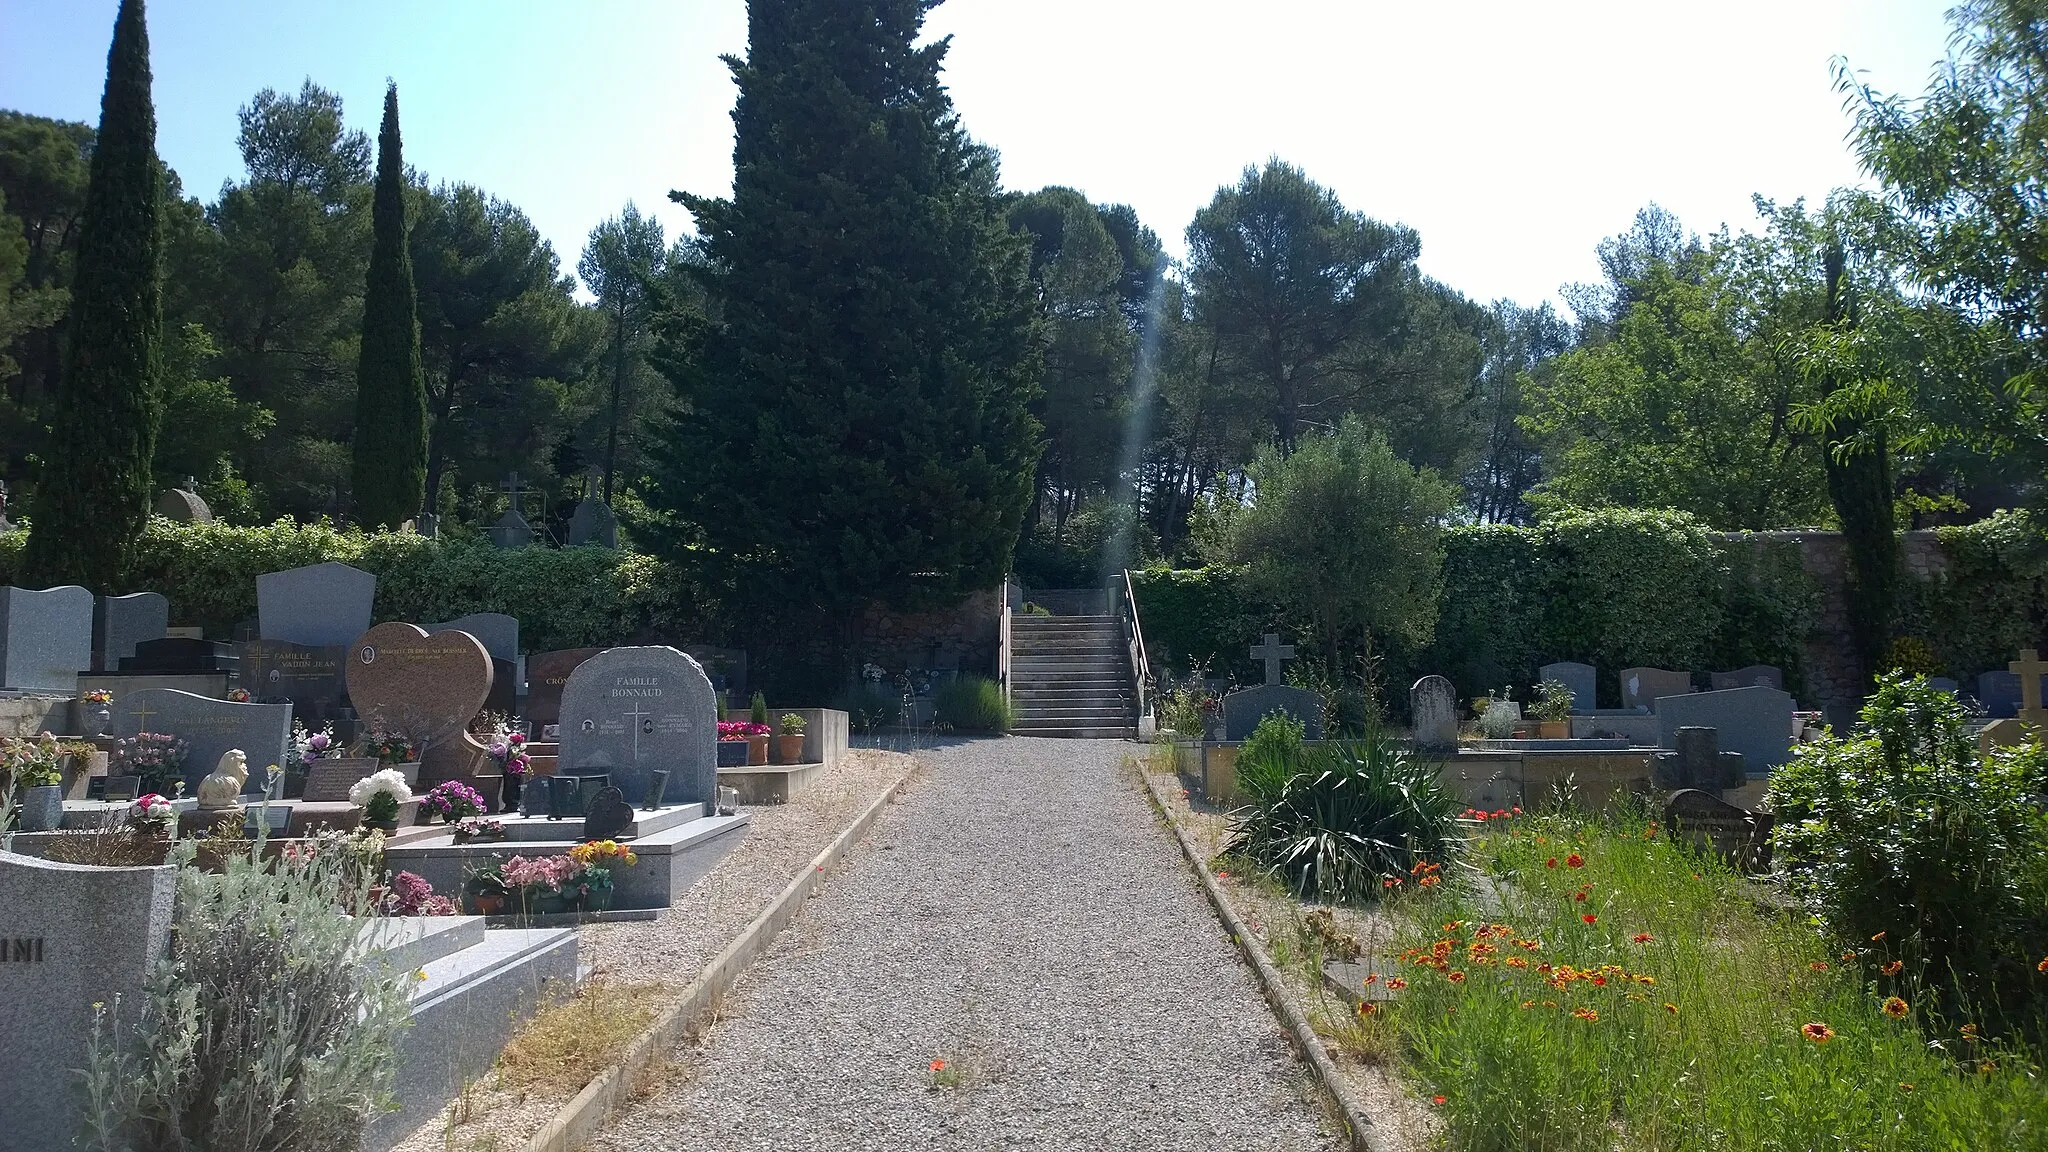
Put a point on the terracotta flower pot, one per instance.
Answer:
(1554, 730)
(789, 748)
(757, 750)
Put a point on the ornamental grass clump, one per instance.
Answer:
(973, 704)
(1345, 819)
(266, 1029)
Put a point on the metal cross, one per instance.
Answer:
(1273, 652)
(637, 716)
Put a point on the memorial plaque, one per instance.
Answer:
(310, 678)
(328, 780)
(628, 711)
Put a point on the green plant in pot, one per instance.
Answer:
(1551, 708)
(757, 739)
(483, 888)
(379, 795)
(32, 768)
(789, 739)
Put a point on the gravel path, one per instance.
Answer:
(1021, 915)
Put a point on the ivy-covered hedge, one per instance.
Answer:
(1613, 588)
(1992, 602)
(564, 598)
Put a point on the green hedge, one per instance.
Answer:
(564, 598)
(1992, 602)
(1613, 588)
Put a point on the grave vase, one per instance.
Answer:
(757, 749)
(508, 792)
(597, 899)
(1553, 729)
(42, 808)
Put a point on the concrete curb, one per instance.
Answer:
(581, 1117)
(1364, 1137)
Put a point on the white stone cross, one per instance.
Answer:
(2029, 668)
(1273, 652)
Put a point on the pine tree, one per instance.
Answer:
(855, 427)
(390, 474)
(93, 496)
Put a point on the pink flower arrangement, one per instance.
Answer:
(410, 895)
(509, 751)
(740, 729)
(550, 872)
(452, 801)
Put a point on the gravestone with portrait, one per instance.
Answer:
(627, 712)
(429, 687)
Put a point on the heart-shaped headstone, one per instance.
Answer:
(607, 816)
(427, 687)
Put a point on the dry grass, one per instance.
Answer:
(571, 1042)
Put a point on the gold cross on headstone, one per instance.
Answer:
(143, 712)
(2029, 668)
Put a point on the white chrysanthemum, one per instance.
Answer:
(390, 780)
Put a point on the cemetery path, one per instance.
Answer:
(1022, 915)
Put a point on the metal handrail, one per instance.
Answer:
(1003, 644)
(1141, 664)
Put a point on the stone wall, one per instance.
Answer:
(1834, 675)
(964, 636)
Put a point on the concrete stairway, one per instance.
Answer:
(1071, 676)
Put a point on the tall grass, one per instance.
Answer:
(1625, 992)
(973, 704)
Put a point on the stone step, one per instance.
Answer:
(1046, 694)
(1073, 719)
(523, 829)
(416, 941)
(1108, 651)
(1105, 732)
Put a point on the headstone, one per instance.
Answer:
(1698, 763)
(497, 632)
(45, 637)
(309, 677)
(512, 530)
(1243, 709)
(1582, 679)
(628, 711)
(593, 523)
(504, 696)
(71, 937)
(607, 815)
(1754, 676)
(183, 505)
(209, 727)
(180, 655)
(119, 623)
(426, 686)
(1641, 688)
(6, 525)
(329, 779)
(1742, 837)
(1273, 653)
(1999, 692)
(1756, 722)
(546, 673)
(319, 605)
(1944, 684)
(1433, 711)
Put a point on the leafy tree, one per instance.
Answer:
(389, 481)
(853, 425)
(1520, 346)
(1343, 535)
(94, 496)
(621, 261)
(44, 166)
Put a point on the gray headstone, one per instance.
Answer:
(1582, 679)
(1433, 709)
(1706, 820)
(183, 506)
(319, 605)
(1242, 710)
(1754, 676)
(174, 655)
(546, 674)
(1643, 687)
(45, 637)
(1944, 684)
(312, 678)
(593, 523)
(71, 936)
(497, 632)
(1756, 722)
(628, 711)
(1999, 692)
(209, 727)
(119, 623)
(1698, 763)
(512, 530)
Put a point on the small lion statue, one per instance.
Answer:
(222, 791)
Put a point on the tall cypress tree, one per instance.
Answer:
(390, 474)
(855, 427)
(92, 498)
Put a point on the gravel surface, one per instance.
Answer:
(672, 949)
(1021, 915)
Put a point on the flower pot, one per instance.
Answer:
(757, 749)
(789, 748)
(42, 808)
(597, 899)
(732, 753)
(546, 903)
(1553, 729)
(487, 903)
(95, 719)
(508, 792)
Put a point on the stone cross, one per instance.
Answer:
(1273, 652)
(513, 488)
(2029, 668)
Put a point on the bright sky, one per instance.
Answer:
(1513, 135)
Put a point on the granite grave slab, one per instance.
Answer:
(1641, 688)
(629, 711)
(1754, 676)
(45, 637)
(318, 605)
(1581, 679)
(546, 673)
(496, 631)
(310, 678)
(180, 656)
(119, 623)
(209, 727)
(1756, 722)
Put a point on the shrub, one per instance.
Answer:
(757, 709)
(869, 706)
(1360, 814)
(973, 704)
(265, 1030)
(1274, 755)
(1902, 832)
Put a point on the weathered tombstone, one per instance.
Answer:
(1433, 711)
(182, 504)
(1698, 763)
(1742, 837)
(1643, 687)
(1999, 692)
(1243, 709)
(1754, 676)
(2029, 668)
(329, 779)
(1582, 679)
(629, 711)
(593, 522)
(318, 605)
(1756, 722)
(209, 727)
(496, 631)
(45, 637)
(180, 655)
(309, 677)
(71, 937)
(426, 686)
(119, 623)
(546, 673)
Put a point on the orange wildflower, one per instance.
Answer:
(1671, 1008)
(1371, 978)
(1436, 1100)
(1396, 983)
(1892, 969)
(1575, 861)
(1590, 918)
(1515, 962)
(2042, 966)
(1876, 938)
(1987, 1067)
(1641, 938)
(1456, 977)
(1550, 863)
(1905, 1087)
(1586, 1014)
(1819, 965)
(1848, 957)
(1817, 1032)
(939, 1065)
(1894, 1007)
(1366, 1007)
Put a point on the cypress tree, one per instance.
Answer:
(92, 498)
(390, 473)
(855, 425)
